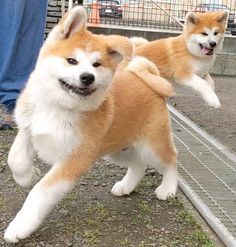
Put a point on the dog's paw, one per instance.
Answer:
(213, 101)
(120, 189)
(18, 229)
(165, 192)
(28, 179)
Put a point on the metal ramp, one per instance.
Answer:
(207, 175)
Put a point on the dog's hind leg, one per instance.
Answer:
(136, 171)
(20, 160)
(163, 157)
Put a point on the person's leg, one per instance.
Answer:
(10, 18)
(21, 37)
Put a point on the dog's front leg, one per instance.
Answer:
(210, 81)
(202, 87)
(44, 196)
(20, 160)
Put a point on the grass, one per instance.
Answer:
(186, 216)
(125, 242)
(198, 237)
(91, 237)
(101, 210)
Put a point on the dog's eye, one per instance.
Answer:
(215, 33)
(204, 34)
(96, 64)
(72, 61)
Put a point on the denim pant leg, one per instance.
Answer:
(21, 36)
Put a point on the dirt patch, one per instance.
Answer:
(91, 216)
(221, 123)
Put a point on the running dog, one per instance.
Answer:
(187, 59)
(71, 114)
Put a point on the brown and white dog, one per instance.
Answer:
(71, 114)
(187, 59)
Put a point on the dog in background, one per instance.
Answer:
(187, 58)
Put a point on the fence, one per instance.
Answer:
(160, 14)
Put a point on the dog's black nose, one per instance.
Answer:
(87, 78)
(212, 44)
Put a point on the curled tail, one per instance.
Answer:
(137, 41)
(148, 73)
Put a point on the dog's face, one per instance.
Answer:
(204, 32)
(78, 66)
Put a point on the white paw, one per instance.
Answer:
(28, 179)
(165, 192)
(120, 189)
(213, 101)
(19, 228)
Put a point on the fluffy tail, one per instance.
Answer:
(137, 41)
(148, 73)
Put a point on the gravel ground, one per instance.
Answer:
(91, 216)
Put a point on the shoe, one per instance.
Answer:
(7, 121)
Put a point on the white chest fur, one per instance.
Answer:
(55, 133)
(202, 66)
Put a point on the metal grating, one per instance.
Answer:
(209, 171)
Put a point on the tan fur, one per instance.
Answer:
(171, 55)
(131, 112)
(90, 42)
(135, 108)
(137, 41)
(148, 72)
(211, 20)
(71, 128)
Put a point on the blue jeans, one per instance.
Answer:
(22, 24)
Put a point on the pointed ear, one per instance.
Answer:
(72, 22)
(192, 19)
(223, 16)
(119, 48)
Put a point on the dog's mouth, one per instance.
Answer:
(206, 50)
(80, 91)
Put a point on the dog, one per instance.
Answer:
(75, 110)
(186, 59)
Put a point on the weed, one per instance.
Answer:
(186, 216)
(91, 237)
(125, 242)
(91, 222)
(144, 207)
(201, 239)
(101, 210)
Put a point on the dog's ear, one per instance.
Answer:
(223, 16)
(119, 48)
(72, 22)
(191, 19)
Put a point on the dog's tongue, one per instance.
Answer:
(207, 51)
